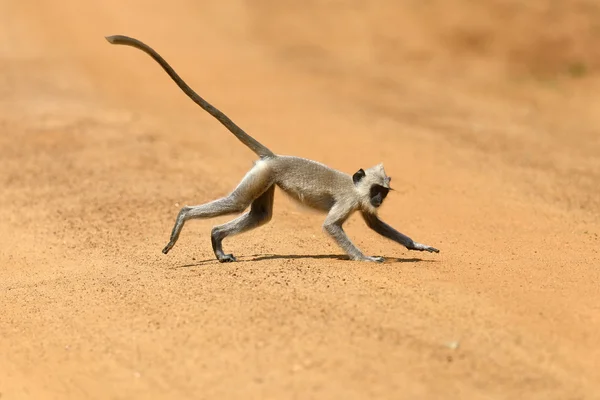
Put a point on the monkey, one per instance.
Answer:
(336, 194)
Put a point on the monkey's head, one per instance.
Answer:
(373, 185)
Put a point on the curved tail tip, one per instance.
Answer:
(111, 39)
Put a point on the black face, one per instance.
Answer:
(377, 194)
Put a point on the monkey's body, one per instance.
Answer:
(309, 182)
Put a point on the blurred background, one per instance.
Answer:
(485, 113)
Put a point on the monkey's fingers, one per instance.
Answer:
(226, 258)
(431, 249)
(423, 247)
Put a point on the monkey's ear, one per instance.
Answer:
(358, 176)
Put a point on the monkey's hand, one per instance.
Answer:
(423, 247)
(387, 231)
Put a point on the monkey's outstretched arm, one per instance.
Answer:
(384, 229)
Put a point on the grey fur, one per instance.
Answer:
(309, 182)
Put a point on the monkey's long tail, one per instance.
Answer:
(248, 140)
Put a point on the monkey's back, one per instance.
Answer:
(310, 182)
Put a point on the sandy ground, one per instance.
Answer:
(489, 129)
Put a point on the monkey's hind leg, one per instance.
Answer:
(260, 213)
(255, 183)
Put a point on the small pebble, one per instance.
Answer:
(453, 345)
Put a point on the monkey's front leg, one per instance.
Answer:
(385, 230)
(333, 226)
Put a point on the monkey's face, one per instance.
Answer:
(373, 184)
(377, 194)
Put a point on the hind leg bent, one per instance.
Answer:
(258, 180)
(260, 213)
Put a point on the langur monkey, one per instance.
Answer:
(311, 183)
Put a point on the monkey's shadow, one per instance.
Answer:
(265, 257)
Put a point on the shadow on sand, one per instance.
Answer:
(265, 257)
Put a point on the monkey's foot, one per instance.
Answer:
(423, 247)
(168, 247)
(226, 258)
(369, 259)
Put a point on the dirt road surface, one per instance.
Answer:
(487, 120)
